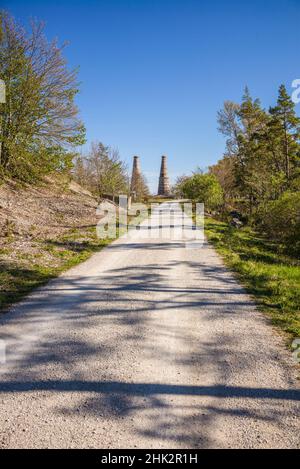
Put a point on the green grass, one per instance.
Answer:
(26, 272)
(270, 276)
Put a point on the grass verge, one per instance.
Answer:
(270, 276)
(21, 273)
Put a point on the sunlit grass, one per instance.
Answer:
(26, 272)
(52, 257)
(272, 277)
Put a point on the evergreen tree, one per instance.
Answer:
(262, 157)
(251, 161)
(284, 135)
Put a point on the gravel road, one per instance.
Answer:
(148, 344)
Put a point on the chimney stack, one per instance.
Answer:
(164, 184)
(136, 175)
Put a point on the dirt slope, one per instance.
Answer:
(45, 211)
(43, 229)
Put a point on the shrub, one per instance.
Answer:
(203, 188)
(280, 220)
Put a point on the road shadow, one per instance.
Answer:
(122, 302)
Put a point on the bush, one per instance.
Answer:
(280, 220)
(203, 188)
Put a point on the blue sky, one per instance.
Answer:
(155, 73)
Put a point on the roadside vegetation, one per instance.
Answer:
(22, 273)
(257, 181)
(268, 273)
(25, 265)
(101, 171)
(252, 202)
(44, 227)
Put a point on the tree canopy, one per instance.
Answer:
(203, 188)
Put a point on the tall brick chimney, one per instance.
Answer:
(136, 175)
(164, 184)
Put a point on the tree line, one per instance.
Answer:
(258, 177)
(102, 171)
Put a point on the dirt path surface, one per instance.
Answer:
(149, 344)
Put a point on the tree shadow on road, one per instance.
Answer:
(119, 304)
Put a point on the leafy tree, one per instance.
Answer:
(79, 170)
(177, 188)
(39, 122)
(230, 126)
(284, 135)
(251, 160)
(244, 158)
(262, 161)
(262, 147)
(102, 171)
(224, 171)
(203, 188)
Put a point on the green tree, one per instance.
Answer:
(177, 189)
(102, 171)
(203, 188)
(224, 171)
(284, 135)
(255, 175)
(251, 162)
(260, 170)
(229, 124)
(39, 121)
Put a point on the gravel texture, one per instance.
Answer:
(149, 344)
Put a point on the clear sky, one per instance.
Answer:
(154, 73)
